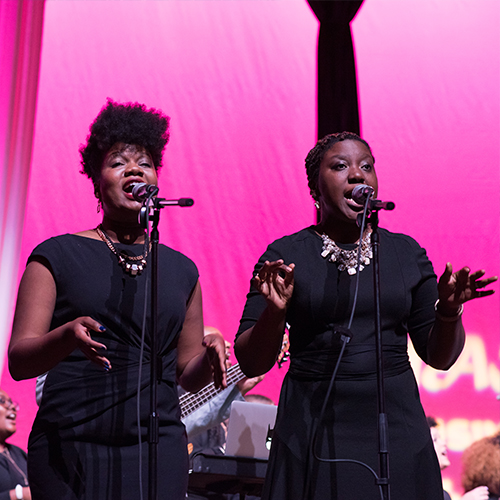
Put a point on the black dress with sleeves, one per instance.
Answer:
(322, 300)
(84, 441)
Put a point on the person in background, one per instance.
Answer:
(481, 467)
(217, 407)
(80, 315)
(439, 445)
(216, 404)
(307, 280)
(13, 460)
(479, 493)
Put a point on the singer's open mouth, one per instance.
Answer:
(130, 185)
(351, 203)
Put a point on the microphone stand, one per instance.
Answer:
(383, 479)
(155, 377)
(156, 367)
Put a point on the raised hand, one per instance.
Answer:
(455, 288)
(275, 282)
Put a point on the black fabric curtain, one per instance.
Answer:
(337, 88)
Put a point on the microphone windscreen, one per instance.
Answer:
(361, 192)
(142, 190)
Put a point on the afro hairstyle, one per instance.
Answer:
(130, 123)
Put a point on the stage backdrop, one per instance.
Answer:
(238, 80)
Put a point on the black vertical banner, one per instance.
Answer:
(337, 86)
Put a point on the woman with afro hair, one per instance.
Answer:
(79, 322)
(481, 466)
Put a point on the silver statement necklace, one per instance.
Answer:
(348, 259)
(132, 265)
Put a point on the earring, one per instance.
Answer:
(98, 206)
(316, 204)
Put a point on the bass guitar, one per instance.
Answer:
(189, 402)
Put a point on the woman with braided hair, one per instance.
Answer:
(79, 318)
(307, 281)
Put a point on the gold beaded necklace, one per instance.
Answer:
(132, 265)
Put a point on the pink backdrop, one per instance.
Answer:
(238, 80)
(429, 86)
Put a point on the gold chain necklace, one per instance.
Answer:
(348, 259)
(6, 453)
(132, 265)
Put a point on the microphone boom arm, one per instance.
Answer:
(381, 205)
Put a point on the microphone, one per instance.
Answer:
(142, 191)
(361, 193)
(181, 202)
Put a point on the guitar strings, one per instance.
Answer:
(190, 402)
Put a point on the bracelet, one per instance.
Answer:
(448, 319)
(19, 492)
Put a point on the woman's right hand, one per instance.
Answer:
(275, 282)
(80, 328)
(257, 348)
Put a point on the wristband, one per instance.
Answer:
(19, 492)
(449, 319)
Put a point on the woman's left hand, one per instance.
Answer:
(216, 353)
(455, 288)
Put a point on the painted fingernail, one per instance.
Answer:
(102, 328)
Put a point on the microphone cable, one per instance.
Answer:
(145, 213)
(345, 336)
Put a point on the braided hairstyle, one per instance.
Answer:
(315, 156)
(130, 123)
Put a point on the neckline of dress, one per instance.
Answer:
(344, 246)
(99, 240)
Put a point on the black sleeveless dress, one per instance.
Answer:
(85, 439)
(321, 302)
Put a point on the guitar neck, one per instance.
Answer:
(190, 402)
